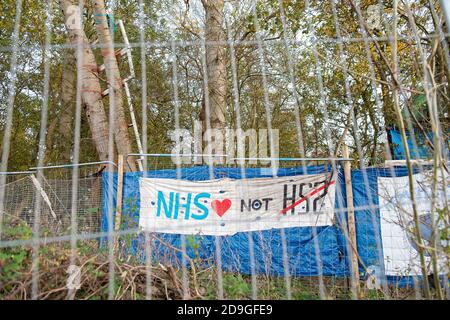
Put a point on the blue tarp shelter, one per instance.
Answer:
(419, 150)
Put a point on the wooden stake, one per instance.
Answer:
(119, 192)
(351, 223)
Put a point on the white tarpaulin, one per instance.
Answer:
(397, 226)
(227, 206)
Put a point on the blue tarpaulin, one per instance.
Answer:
(419, 150)
(303, 260)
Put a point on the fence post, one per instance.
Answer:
(119, 192)
(351, 223)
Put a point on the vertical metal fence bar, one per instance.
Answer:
(76, 152)
(143, 57)
(111, 136)
(350, 102)
(301, 147)
(9, 108)
(439, 145)
(41, 152)
(323, 106)
(217, 239)
(274, 165)
(397, 89)
(174, 59)
(235, 92)
(378, 103)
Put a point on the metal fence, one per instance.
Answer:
(54, 189)
(51, 217)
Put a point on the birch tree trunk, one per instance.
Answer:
(121, 135)
(90, 89)
(215, 63)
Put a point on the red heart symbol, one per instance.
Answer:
(220, 207)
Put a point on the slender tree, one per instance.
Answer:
(215, 64)
(90, 89)
(68, 94)
(123, 142)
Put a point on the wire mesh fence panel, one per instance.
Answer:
(55, 190)
(283, 149)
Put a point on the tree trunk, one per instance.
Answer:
(68, 96)
(215, 64)
(90, 88)
(121, 136)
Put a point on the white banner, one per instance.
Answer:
(227, 206)
(401, 257)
